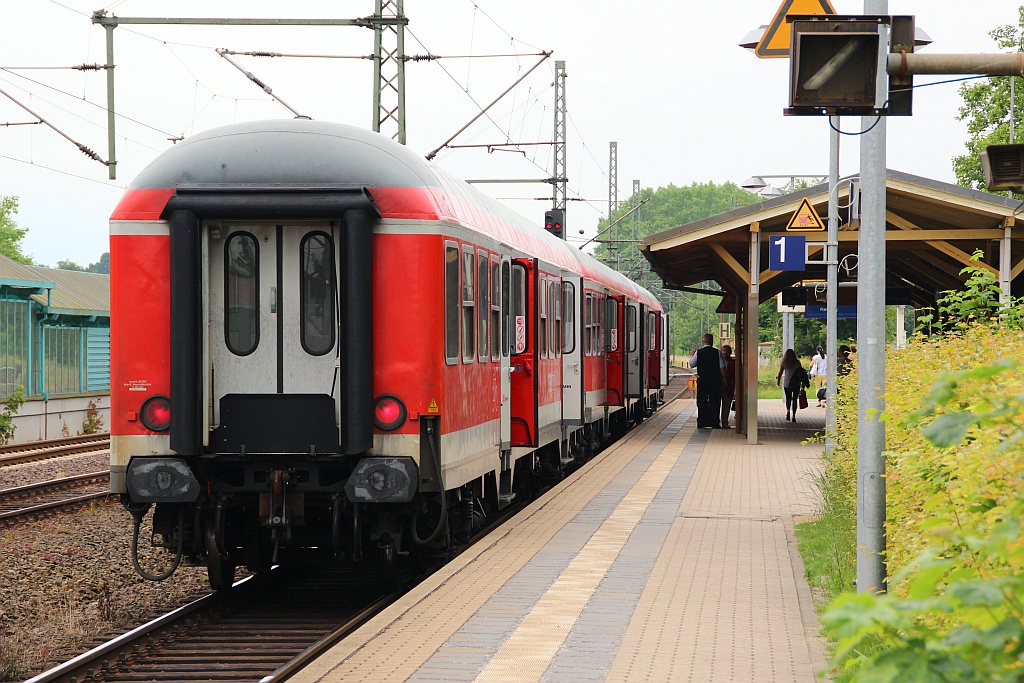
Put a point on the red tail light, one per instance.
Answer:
(156, 413)
(388, 412)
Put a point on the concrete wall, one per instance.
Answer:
(38, 419)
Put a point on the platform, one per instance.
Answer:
(669, 557)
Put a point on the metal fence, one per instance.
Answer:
(63, 352)
(14, 346)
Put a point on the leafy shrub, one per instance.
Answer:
(10, 409)
(955, 500)
(93, 423)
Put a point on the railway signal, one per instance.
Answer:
(554, 222)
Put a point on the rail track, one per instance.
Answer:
(18, 454)
(264, 629)
(33, 500)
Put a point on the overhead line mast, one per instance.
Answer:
(559, 192)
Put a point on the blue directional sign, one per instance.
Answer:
(786, 252)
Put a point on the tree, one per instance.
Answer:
(10, 234)
(101, 266)
(68, 264)
(668, 207)
(986, 109)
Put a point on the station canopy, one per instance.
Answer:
(932, 230)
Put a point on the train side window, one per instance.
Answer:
(451, 302)
(495, 311)
(241, 293)
(568, 317)
(520, 324)
(317, 293)
(599, 304)
(483, 314)
(631, 328)
(556, 311)
(542, 300)
(613, 324)
(468, 305)
(506, 307)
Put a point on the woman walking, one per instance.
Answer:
(792, 378)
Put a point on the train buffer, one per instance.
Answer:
(669, 556)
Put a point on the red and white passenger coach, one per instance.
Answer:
(323, 345)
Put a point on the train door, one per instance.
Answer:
(653, 349)
(572, 350)
(633, 351)
(523, 319)
(272, 338)
(614, 351)
(664, 350)
(507, 326)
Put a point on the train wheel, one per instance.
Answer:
(219, 567)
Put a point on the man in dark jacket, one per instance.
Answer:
(709, 363)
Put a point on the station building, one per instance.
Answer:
(55, 345)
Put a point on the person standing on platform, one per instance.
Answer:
(819, 372)
(709, 363)
(728, 384)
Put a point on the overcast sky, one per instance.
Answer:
(665, 80)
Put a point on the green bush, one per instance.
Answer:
(10, 409)
(955, 500)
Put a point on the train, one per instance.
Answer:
(326, 349)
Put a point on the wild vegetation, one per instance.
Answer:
(955, 501)
(10, 408)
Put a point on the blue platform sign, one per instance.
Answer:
(842, 311)
(787, 252)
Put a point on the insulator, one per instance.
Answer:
(89, 153)
(264, 53)
(89, 67)
(423, 58)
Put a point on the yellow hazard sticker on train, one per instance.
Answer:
(432, 408)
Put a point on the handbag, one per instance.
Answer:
(802, 398)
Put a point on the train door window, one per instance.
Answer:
(652, 331)
(468, 305)
(568, 317)
(612, 318)
(483, 314)
(556, 311)
(506, 309)
(317, 293)
(241, 293)
(451, 302)
(520, 327)
(543, 301)
(631, 328)
(495, 310)
(588, 324)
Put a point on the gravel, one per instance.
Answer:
(66, 581)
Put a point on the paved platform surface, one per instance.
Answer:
(669, 557)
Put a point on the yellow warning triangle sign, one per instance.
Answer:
(775, 41)
(805, 219)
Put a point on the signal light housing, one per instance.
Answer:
(554, 222)
(155, 413)
(389, 412)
